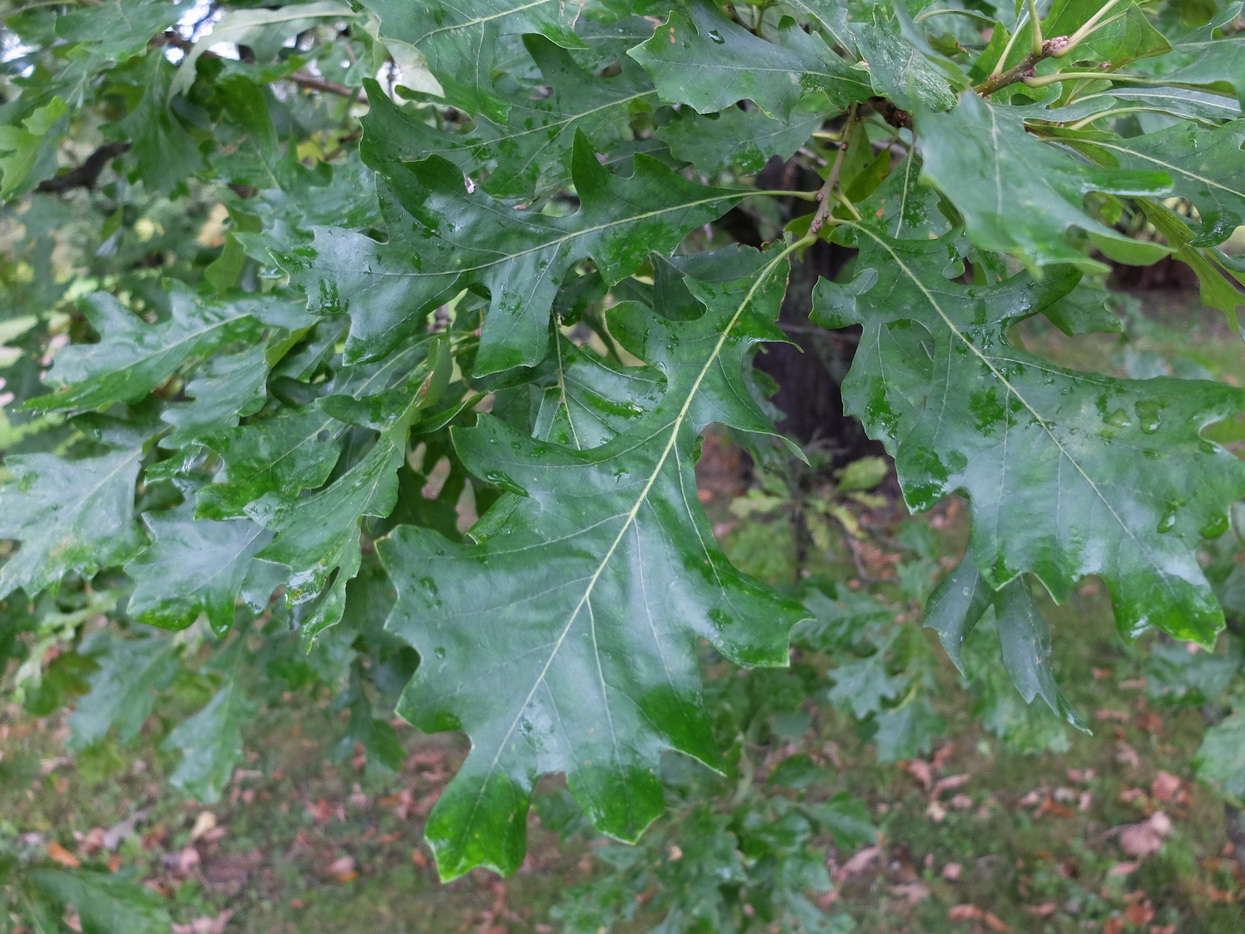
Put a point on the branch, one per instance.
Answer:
(897, 117)
(1023, 68)
(85, 175)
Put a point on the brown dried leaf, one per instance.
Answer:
(1146, 837)
(58, 854)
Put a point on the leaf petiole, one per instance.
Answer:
(1035, 30)
(1090, 26)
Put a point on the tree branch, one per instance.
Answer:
(1021, 69)
(85, 175)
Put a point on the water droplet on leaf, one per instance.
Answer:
(1168, 522)
(1148, 413)
(1216, 526)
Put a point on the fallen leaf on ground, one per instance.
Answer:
(205, 925)
(858, 862)
(1166, 787)
(343, 870)
(913, 892)
(58, 854)
(1146, 837)
(203, 823)
(950, 783)
(1139, 912)
(920, 770)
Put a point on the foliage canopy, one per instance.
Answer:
(290, 287)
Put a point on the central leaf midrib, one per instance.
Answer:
(1063, 451)
(630, 517)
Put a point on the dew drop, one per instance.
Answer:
(439, 652)
(1168, 522)
(1119, 419)
(716, 36)
(1216, 526)
(1148, 413)
(497, 478)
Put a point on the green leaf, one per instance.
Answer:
(317, 537)
(1016, 193)
(461, 42)
(956, 606)
(163, 149)
(863, 684)
(897, 68)
(22, 148)
(1200, 57)
(584, 400)
(211, 742)
(1207, 166)
(608, 573)
(116, 30)
(454, 237)
(1127, 36)
(106, 902)
(908, 731)
(289, 451)
(745, 139)
(529, 150)
(226, 388)
(1025, 638)
(133, 357)
(1221, 757)
(1178, 673)
(124, 687)
(1203, 106)
(297, 448)
(1103, 463)
(200, 566)
(705, 60)
(68, 516)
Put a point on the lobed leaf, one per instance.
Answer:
(68, 515)
(1018, 194)
(1103, 463)
(461, 41)
(444, 237)
(602, 574)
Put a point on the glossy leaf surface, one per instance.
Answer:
(599, 645)
(1030, 424)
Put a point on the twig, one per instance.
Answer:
(822, 213)
(85, 175)
(1023, 68)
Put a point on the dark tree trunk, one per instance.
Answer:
(810, 371)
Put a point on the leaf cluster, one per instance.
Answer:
(390, 330)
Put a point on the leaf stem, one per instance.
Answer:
(1040, 81)
(1007, 50)
(831, 184)
(1035, 30)
(984, 20)
(802, 195)
(1022, 69)
(1090, 26)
